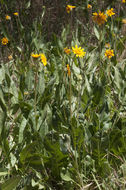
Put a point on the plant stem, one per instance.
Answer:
(35, 95)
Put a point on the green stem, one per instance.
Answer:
(35, 94)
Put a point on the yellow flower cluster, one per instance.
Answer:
(89, 6)
(123, 1)
(10, 57)
(26, 93)
(69, 8)
(7, 17)
(43, 59)
(78, 51)
(35, 55)
(124, 21)
(4, 41)
(99, 18)
(107, 45)
(16, 13)
(110, 12)
(109, 53)
(42, 56)
(67, 50)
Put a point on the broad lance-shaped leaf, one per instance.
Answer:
(66, 177)
(2, 102)
(96, 33)
(11, 184)
(2, 120)
(3, 111)
(41, 85)
(117, 78)
(87, 84)
(29, 80)
(2, 74)
(3, 172)
(21, 129)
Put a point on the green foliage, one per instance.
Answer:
(62, 124)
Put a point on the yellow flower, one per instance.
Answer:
(35, 55)
(16, 13)
(107, 45)
(78, 51)
(109, 53)
(89, 6)
(8, 17)
(26, 93)
(123, 1)
(4, 41)
(69, 8)
(99, 18)
(68, 70)
(67, 51)
(110, 12)
(43, 59)
(124, 21)
(10, 57)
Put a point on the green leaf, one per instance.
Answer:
(21, 130)
(28, 4)
(66, 177)
(11, 184)
(2, 102)
(2, 120)
(41, 85)
(30, 80)
(13, 90)
(29, 155)
(98, 93)
(3, 173)
(118, 78)
(2, 74)
(87, 84)
(96, 33)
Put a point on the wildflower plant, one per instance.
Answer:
(16, 14)
(4, 41)
(67, 50)
(109, 53)
(99, 18)
(35, 55)
(7, 17)
(110, 12)
(43, 59)
(78, 51)
(69, 8)
(62, 104)
(89, 6)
